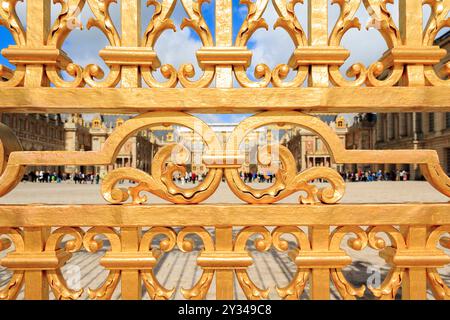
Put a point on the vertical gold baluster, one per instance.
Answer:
(38, 26)
(411, 24)
(131, 37)
(36, 286)
(224, 38)
(320, 277)
(224, 278)
(318, 36)
(131, 279)
(414, 284)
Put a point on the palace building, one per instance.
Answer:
(308, 149)
(413, 130)
(53, 132)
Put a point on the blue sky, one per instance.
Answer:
(271, 47)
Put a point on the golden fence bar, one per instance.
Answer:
(413, 230)
(403, 79)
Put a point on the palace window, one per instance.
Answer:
(419, 122)
(431, 122)
(447, 120)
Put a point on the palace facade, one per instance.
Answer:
(308, 149)
(53, 132)
(414, 130)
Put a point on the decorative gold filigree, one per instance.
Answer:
(158, 24)
(345, 22)
(55, 278)
(155, 290)
(251, 291)
(288, 20)
(93, 71)
(252, 22)
(15, 80)
(63, 25)
(12, 288)
(103, 21)
(381, 19)
(294, 290)
(66, 21)
(393, 281)
(439, 288)
(198, 24)
(160, 182)
(196, 21)
(346, 289)
(287, 180)
(106, 290)
(9, 19)
(160, 21)
(10, 175)
(437, 21)
(281, 71)
(201, 287)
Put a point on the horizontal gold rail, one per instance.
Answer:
(224, 215)
(138, 100)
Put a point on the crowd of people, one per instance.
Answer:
(53, 177)
(192, 177)
(189, 177)
(260, 177)
(369, 176)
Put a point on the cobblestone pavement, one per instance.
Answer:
(271, 269)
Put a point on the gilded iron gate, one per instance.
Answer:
(402, 80)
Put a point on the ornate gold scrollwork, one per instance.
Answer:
(9, 19)
(106, 290)
(251, 291)
(381, 19)
(12, 288)
(10, 175)
(393, 281)
(154, 288)
(201, 288)
(158, 24)
(345, 22)
(437, 21)
(287, 179)
(196, 21)
(252, 22)
(103, 21)
(161, 182)
(63, 25)
(55, 278)
(294, 290)
(345, 289)
(439, 288)
(288, 20)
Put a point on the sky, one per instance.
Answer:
(271, 47)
